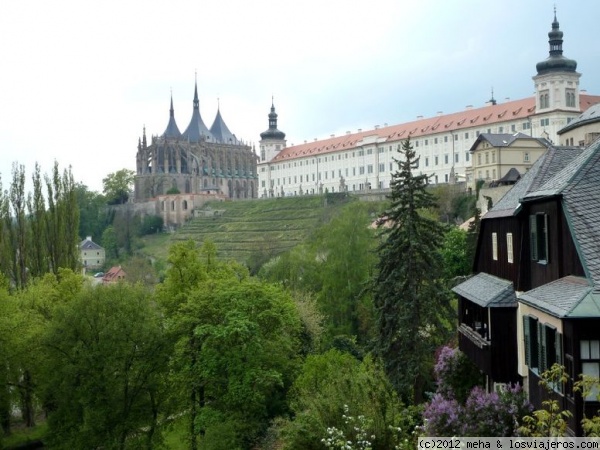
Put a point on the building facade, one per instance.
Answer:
(92, 255)
(364, 160)
(198, 161)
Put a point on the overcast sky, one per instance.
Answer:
(80, 79)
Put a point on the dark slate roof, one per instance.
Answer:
(172, 130)
(512, 176)
(579, 186)
(590, 115)
(504, 139)
(550, 163)
(566, 297)
(196, 130)
(88, 244)
(488, 291)
(221, 133)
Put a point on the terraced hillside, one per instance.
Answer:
(266, 227)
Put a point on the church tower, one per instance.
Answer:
(272, 141)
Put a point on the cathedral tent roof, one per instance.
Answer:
(220, 132)
(172, 130)
(196, 129)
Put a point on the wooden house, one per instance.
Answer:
(541, 241)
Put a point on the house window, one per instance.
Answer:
(513, 128)
(382, 167)
(426, 141)
(426, 161)
(544, 100)
(590, 363)
(538, 232)
(456, 137)
(436, 160)
(456, 157)
(446, 158)
(495, 246)
(370, 168)
(526, 126)
(509, 247)
(545, 122)
(500, 129)
(493, 157)
(467, 156)
(445, 138)
(435, 140)
(530, 335)
(549, 349)
(526, 157)
(479, 159)
(487, 158)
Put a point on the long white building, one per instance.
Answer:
(363, 160)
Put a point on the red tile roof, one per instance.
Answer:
(487, 115)
(115, 274)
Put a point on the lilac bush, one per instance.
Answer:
(460, 409)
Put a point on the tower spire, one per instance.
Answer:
(556, 62)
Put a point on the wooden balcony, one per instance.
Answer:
(477, 348)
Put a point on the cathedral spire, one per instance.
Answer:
(196, 130)
(144, 143)
(172, 130)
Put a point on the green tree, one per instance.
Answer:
(117, 186)
(346, 247)
(93, 214)
(329, 384)
(454, 254)
(412, 304)
(236, 346)
(107, 356)
(110, 244)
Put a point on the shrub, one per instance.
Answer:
(456, 375)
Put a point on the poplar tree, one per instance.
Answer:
(411, 302)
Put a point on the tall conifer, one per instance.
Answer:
(412, 304)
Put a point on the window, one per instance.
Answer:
(544, 100)
(545, 122)
(361, 170)
(456, 157)
(526, 126)
(426, 161)
(493, 157)
(487, 158)
(426, 141)
(590, 363)
(500, 129)
(456, 137)
(526, 157)
(416, 145)
(446, 177)
(509, 247)
(382, 167)
(479, 159)
(435, 140)
(445, 138)
(538, 233)
(495, 246)
(370, 168)
(369, 151)
(467, 135)
(436, 160)
(446, 158)
(477, 133)
(513, 128)
(467, 156)
(530, 335)
(570, 97)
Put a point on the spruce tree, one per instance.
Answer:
(413, 315)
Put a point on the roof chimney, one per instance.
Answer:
(469, 107)
(439, 113)
(332, 135)
(347, 132)
(359, 130)
(419, 117)
(377, 127)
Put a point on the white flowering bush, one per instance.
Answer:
(359, 439)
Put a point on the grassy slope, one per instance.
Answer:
(243, 228)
